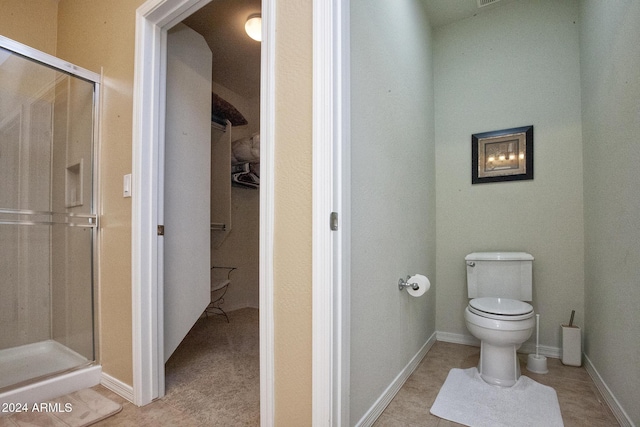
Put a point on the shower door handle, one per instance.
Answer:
(28, 217)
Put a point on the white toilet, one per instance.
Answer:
(499, 283)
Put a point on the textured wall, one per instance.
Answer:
(32, 22)
(609, 40)
(94, 35)
(512, 66)
(392, 192)
(292, 240)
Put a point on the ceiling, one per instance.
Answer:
(236, 57)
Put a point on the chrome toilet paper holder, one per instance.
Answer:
(404, 283)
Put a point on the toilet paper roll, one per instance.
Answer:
(423, 285)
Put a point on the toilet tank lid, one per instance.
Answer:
(499, 256)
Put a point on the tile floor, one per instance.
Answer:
(580, 402)
(213, 380)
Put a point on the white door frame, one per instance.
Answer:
(153, 19)
(330, 336)
(331, 193)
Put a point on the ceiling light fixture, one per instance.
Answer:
(253, 27)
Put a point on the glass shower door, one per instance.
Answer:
(47, 220)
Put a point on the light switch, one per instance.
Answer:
(127, 186)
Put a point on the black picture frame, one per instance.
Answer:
(502, 155)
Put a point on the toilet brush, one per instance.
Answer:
(536, 363)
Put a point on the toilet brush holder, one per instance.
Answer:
(537, 364)
(571, 345)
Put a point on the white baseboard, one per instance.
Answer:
(117, 386)
(387, 396)
(611, 400)
(457, 338)
(526, 348)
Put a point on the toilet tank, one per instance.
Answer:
(500, 275)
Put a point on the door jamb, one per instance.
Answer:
(331, 193)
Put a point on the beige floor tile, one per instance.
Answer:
(386, 420)
(155, 414)
(580, 401)
(198, 396)
(213, 378)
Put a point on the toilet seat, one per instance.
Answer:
(501, 308)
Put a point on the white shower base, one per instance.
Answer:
(43, 360)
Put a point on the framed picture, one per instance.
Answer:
(502, 155)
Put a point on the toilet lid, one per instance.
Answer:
(501, 306)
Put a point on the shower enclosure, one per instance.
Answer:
(47, 216)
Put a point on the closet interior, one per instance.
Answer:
(235, 149)
(226, 333)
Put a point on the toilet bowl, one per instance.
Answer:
(502, 325)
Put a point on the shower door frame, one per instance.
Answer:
(95, 79)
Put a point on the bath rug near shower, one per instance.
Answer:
(78, 409)
(466, 399)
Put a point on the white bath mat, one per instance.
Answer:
(79, 409)
(466, 399)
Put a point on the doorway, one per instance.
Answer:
(152, 21)
(154, 18)
(211, 215)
